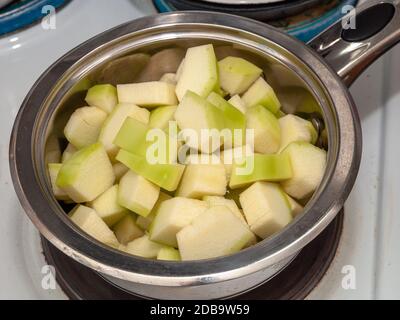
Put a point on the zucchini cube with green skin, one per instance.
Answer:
(214, 201)
(83, 127)
(145, 222)
(295, 129)
(196, 114)
(89, 221)
(172, 216)
(119, 170)
(261, 167)
(238, 103)
(169, 254)
(153, 144)
(266, 208)
(235, 155)
(266, 129)
(200, 180)
(103, 96)
(261, 93)
(126, 230)
(236, 75)
(132, 136)
(216, 232)
(137, 194)
(143, 247)
(54, 169)
(107, 207)
(166, 176)
(148, 94)
(115, 121)
(199, 72)
(69, 151)
(160, 117)
(308, 164)
(87, 174)
(234, 120)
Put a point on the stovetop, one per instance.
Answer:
(367, 261)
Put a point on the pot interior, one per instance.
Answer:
(145, 54)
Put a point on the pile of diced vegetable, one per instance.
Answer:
(193, 210)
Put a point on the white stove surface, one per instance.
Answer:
(369, 245)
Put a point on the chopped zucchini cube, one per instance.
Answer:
(79, 176)
(137, 194)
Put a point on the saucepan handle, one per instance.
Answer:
(352, 44)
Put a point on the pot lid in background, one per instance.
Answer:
(20, 14)
(302, 19)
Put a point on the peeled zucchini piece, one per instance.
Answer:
(196, 114)
(166, 176)
(296, 207)
(199, 72)
(260, 167)
(84, 126)
(126, 230)
(214, 201)
(237, 75)
(54, 169)
(266, 208)
(119, 170)
(143, 247)
(107, 207)
(145, 222)
(87, 174)
(169, 78)
(267, 132)
(180, 70)
(200, 180)
(261, 93)
(238, 103)
(294, 129)
(89, 221)
(234, 121)
(161, 117)
(214, 233)
(235, 155)
(115, 121)
(308, 164)
(69, 151)
(169, 254)
(161, 62)
(172, 216)
(148, 94)
(137, 194)
(103, 96)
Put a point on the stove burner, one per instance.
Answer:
(293, 283)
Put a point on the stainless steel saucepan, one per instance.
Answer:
(136, 50)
